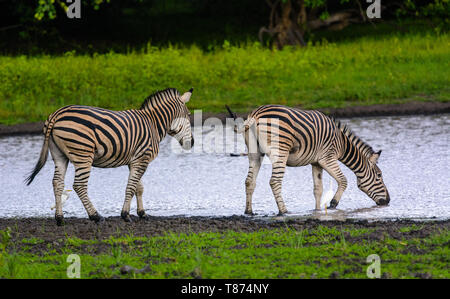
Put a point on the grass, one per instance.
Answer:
(363, 71)
(320, 252)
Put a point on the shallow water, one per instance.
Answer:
(415, 164)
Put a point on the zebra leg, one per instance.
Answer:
(250, 182)
(332, 167)
(140, 205)
(317, 172)
(139, 192)
(278, 169)
(136, 172)
(80, 184)
(61, 162)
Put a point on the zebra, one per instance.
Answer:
(293, 137)
(91, 136)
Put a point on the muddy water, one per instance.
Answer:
(209, 182)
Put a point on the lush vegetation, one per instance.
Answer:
(355, 72)
(321, 252)
(33, 27)
(118, 53)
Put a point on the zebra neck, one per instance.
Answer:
(352, 157)
(160, 120)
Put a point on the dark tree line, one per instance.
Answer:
(26, 24)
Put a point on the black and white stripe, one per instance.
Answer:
(91, 136)
(292, 137)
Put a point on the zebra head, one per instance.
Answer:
(180, 128)
(372, 183)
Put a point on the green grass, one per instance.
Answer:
(276, 253)
(363, 71)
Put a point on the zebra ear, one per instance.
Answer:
(187, 95)
(375, 156)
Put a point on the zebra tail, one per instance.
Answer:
(48, 128)
(245, 126)
(232, 114)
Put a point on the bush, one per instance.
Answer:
(360, 72)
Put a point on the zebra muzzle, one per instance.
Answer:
(187, 144)
(384, 201)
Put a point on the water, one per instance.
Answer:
(415, 164)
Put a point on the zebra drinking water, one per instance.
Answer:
(292, 137)
(91, 136)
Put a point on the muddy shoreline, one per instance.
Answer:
(46, 229)
(410, 108)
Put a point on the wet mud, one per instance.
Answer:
(46, 230)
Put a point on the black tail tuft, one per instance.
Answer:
(48, 127)
(40, 163)
(35, 171)
(232, 114)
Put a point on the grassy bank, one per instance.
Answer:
(356, 72)
(414, 250)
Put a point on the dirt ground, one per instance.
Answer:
(46, 229)
(409, 108)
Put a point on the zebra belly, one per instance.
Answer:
(109, 163)
(118, 160)
(299, 159)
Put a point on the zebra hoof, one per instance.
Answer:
(97, 218)
(59, 220)
(250, 213)
(142, 215)
(126, 217)
(333, 204)
(280, 213)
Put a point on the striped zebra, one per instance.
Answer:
(91, 136)
(291, 137)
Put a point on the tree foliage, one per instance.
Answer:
(291, 20)
(27, 25)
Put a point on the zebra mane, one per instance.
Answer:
(360, 144)
(166, 93)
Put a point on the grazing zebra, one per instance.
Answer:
(291, 137)
(90, 136)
